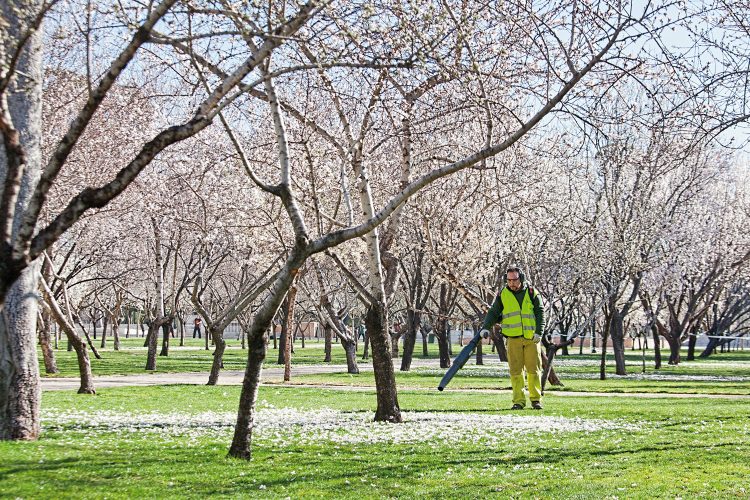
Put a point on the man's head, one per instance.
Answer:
(514, 277)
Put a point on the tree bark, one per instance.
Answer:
(291, 297)
(165, 330)
(20, 165)
(20, 390)
(218, 361)
(45, 324)
(410, 339)
(153, 337)
(618, 341)
(327, 343)
(385, 379)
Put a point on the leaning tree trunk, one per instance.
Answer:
(218, 361)
(256, 353)
(385, 379)
(84, 366)
(350, 349)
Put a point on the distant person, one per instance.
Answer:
(518, 309)
(197, 327)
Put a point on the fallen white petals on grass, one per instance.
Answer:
(665, 377)
(286, 425)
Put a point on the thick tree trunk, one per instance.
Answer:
(674, 349)
(385, 379)
(20, 391)
(20, 164)
(152, 338)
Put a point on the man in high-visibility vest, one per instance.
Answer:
(518, 309)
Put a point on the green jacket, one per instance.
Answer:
(496, 311)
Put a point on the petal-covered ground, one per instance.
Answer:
(285, 425)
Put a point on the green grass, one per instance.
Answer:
(665, 448)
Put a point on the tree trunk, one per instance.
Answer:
(552, 377)
(152, 338)
(497, 340)
(20, 385)
(116, 334)
(243, 431)
(105, 322)
(410, 339)
(617, 334)
(328, 337)
(674, 349)
(385, 379)
(181, 325)
(366, 340)
(20, 390)
(45, 324)
(256, 353)
(442, 331)
(165, 330)
(350, 348)
(84, 366)
(291, 297)
(218, 361)
(657, 347)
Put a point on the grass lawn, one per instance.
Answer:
(171, 441)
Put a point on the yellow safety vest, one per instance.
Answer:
(517, 320)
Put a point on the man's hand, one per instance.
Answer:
(485, 334)
(536, 338)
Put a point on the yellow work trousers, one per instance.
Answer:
(524, 354)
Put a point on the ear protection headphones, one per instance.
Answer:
(516, 269)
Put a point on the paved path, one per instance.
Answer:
(274, 376)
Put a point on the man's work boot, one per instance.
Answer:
(516, 407)
(537, 405)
